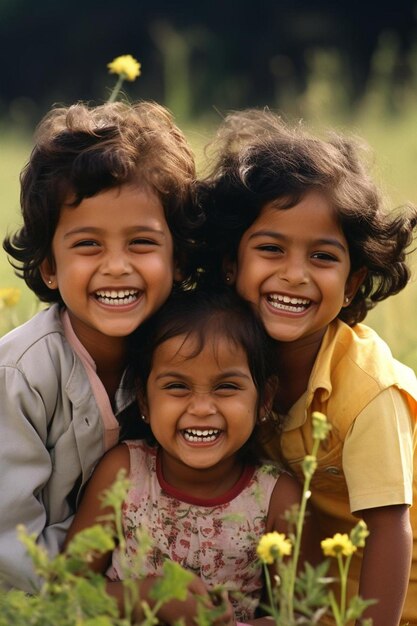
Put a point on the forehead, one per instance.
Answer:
(127, 202)
(215, 347)
(313, 213)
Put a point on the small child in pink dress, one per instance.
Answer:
(197, 485)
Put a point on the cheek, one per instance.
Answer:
(162, 264)
(246, 285)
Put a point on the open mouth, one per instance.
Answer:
(118, 297)
(195, 435)
(288, 303)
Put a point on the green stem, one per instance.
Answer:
(116, 89)
(272, 603)
(298, 534)
(343, 570)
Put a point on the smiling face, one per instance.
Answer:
(201, 408)
(293, 265)
(112, 261)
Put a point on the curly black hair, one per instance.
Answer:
(260, 158)
(81, 150)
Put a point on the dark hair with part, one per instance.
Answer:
(206, 315)
(82, 150)
(259, 159)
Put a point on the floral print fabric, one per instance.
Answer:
(215, 539)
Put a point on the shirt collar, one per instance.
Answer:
(320, 380)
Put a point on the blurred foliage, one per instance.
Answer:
(197, 57)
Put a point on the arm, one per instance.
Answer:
(90, 509)
(26, 470)
(286, 494)
(386, 562)
(378, 465)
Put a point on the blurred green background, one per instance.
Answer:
(346, 65)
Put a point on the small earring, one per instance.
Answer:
(347, 299)
(49, 282)
(228, 278)
(143, 417)
(265, 417)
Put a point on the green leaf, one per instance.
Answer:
(173, 585)
(94, 540)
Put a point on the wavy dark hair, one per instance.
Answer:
(205, 315)
(81, 150)
(259, 158)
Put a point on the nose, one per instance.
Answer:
(116, 263)
(202, 404)
(293, 270)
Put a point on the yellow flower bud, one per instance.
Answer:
(309, 465)
(359, 533)
(321, 426)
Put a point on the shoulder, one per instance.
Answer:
(108, 468)
(359, 346)
(36, 359)
(116, 458)
(353, 358)
(286, 494)
(125, 456)
(35, 336)
(287, 488)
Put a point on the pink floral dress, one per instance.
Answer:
(216, 539)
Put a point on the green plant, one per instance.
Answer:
(71, 594)
(303, 598)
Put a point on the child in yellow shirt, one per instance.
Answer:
(297, 226)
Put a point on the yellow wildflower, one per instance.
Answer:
(338, 544)
(9, 297)
(272, 545)
(125, 66)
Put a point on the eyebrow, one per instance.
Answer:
(226, 374)
(330, 241)
(97, 231)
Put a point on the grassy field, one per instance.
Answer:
(395, 151)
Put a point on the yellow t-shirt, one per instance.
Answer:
(367, 459)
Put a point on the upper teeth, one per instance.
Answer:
(122, 293)
(202, 433)
(197, 435)
(288, 299)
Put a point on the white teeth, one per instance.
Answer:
(196, 435)
(287, 303)
(117, 297)
(288, 300)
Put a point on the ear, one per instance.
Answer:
(229, 271)
(178, 274)
(47, 271)
(353, 283)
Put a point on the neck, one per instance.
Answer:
(211, 482)
(109, 355)
(295, 363)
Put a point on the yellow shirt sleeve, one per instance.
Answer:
(378, 454)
